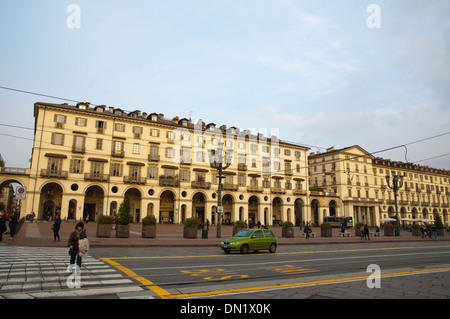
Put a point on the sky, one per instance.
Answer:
(320, 73)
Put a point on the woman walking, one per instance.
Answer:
(74, 244)
(56, 226)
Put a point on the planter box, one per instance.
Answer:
(237, 230)
(148, 231)
(122, 231)
(357, 232)
(416, 232)
(104, 230)
(326, 232)
(441, 232)
(190, 232)
(389, 232)
(287, 232)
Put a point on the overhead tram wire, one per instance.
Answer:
(299, 144)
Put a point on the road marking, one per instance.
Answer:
(164, 294)
(214, 274)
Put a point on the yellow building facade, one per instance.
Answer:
(353, 183)
(87, 158)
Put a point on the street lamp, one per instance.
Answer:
(217, 163)
(397, 183)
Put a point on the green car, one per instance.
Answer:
(250, 239)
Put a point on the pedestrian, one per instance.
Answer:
(74, 244)
(366, 232)
(361, 230)
(434, 231)
(56, 226)
(306, 231)
(13, 225)
(2, 225)
(422, 230)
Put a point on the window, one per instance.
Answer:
(154, 133)
(97, 169)
(76, 166)
(170, 152)
(116, 169)
(241, 180)
(135, 148)
(79, 144)
(79, 121)
(137, 131)
(100, 126)
(60, 120)
(99, 144)
(185, 175)
(152, 172)
(119, 127)
(57, 139)
(54, 165)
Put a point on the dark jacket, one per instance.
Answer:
(73, 241)
(57, 224)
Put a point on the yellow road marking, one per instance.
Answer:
(162, 293)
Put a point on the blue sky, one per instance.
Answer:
(311, 70)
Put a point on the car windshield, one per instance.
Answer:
(244, 233)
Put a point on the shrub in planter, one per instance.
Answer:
(190, 228)
(287, 230)
(149, 227)
(326, 229)
(439, 225)
(389, 229)
(416, 230)
(123, 219)
(238, 226)
(104, 224)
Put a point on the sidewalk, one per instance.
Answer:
(39, 234)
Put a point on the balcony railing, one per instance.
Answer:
(200, 184)
(230, 187)
(54, 173)
(169, 181)
(278, 190)
(100, 177)
(115, 153)
(153, 157)
(255, 189)
(134, 180)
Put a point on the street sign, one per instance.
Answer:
(220, 209)
(21, 192)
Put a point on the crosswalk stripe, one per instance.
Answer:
(36, 272)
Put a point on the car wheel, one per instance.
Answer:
(244, 249)
(272, 248)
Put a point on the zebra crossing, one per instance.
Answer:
(44, 272)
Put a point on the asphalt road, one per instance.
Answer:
(208, 272)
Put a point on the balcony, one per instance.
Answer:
(115, 153)
(54, 173)
(278, 190)
(169, 181)
(230, 187)
(153, 158)
(134, 180)
(255, 189)
(79, 149)
(242, 167)
(201, 184)
(301, 192)
(99, 177)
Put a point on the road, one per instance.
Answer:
(397, 270)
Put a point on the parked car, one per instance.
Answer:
(250, 239)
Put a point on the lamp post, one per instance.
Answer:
(217, 163)
(397, 183)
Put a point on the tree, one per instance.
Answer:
(124, 217)
(2, 161)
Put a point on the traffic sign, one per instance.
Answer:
(21, 192)
(220, 209)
